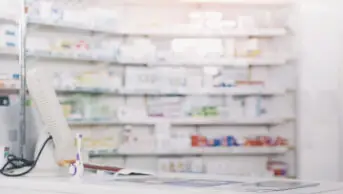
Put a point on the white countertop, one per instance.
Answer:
(163, 184)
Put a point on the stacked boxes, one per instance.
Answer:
(232, 141)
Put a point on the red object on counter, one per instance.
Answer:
(103, 168)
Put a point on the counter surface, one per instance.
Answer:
(163, 184)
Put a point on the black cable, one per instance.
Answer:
(17, 163)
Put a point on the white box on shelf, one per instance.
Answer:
(241, 48)
(147, 164)
(251, 107)
(197, 165)
(137, 50)
(65, 80)
(200, 49)
(229, 47)
(235, 74)
(57, 13)
(103, 137)
(236, 107)
(103, 18)
(163, 165)
(165, 106)
(115, 82)
(246, 22)
(9, 9)
(176, 165)
(194, 83)
(162, 135)
(9, 30)
(9, 36)
(37, 44)
(126, 113)
(76, 17)
(45, 9)
(248, 48)
(171, 78)
(141, 77)
(208, 81)
(180, 140)
(253, 44)
(8, 43)
(106, 49)
(137, 141)
(224, 112)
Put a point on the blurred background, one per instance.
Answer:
(234, 87)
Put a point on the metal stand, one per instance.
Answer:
(22, 62)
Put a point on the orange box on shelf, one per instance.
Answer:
(198, 141)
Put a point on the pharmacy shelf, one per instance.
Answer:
(239, 62)
(225, 62)
(235, 122)
(68, 25)
(183, 92)
(238, 91)
(262, 32)
(96, 91)
(68, 56)
(219, 151)
(244, 91)
(187, 122)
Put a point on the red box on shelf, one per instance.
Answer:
(199, 141)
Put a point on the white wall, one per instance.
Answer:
(320, 46)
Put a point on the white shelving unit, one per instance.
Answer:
(167, 33)
(152, 92)
(57, 29)
(236, 62)
(67, 56)
(252, 151)
(191, 122)
(181, 92)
